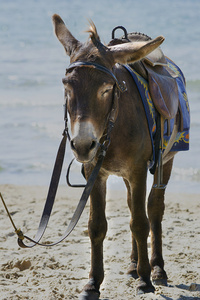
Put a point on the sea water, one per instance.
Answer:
(33, 63)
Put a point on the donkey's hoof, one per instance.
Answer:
(159, 276)
(89, 295)
(132, 270)
(162, 282)
(144, 288)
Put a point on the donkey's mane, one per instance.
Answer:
(94, 36)
(93, 32)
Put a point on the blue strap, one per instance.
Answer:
(150, 114)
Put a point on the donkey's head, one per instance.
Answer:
(90, 91)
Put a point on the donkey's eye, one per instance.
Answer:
(106, 90)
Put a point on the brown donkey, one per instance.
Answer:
(94, 90)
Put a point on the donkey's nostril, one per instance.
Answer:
(93, 145)
(72, 145)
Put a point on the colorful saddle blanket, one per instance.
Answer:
(182, 139)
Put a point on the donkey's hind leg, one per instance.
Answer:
(132, 270)
(155, 213)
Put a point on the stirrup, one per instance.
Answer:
(160, 184)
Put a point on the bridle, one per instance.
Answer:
(117, 88)
(122, 87)
(59, 163)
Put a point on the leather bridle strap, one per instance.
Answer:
(50, 197)
(77, 213)
(121, 87)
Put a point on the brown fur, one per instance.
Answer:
(89, 95)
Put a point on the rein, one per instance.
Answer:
(59, 164)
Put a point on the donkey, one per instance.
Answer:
(93, 98)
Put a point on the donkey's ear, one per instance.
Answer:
(64, 35)
(131, 52)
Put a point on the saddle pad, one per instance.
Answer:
(182, 139)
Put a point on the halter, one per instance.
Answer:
(113, 113)
(121, 87)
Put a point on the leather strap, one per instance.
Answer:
(51, 197)
(122, 87)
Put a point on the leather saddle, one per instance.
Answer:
(162, 80)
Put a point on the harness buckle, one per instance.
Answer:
(160, 184)
(122, 87)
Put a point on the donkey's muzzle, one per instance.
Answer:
(83, 150)
(84, 144)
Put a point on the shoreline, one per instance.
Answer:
(60, 272)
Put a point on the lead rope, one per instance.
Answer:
(18, 231)
(78, 212)
(53, 189)
(47, 209)
(49, 201)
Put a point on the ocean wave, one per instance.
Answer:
(16, 102)
(32, 82)
(52, 130)
(1, 169)
(20, 82)
(191, 174)
(193, 85)
(38, 166)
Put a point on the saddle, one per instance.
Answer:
(156, 69)
(162, 80)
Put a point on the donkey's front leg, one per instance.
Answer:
(97, 227)
(140, 229)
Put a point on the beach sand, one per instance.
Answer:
(60, 272)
